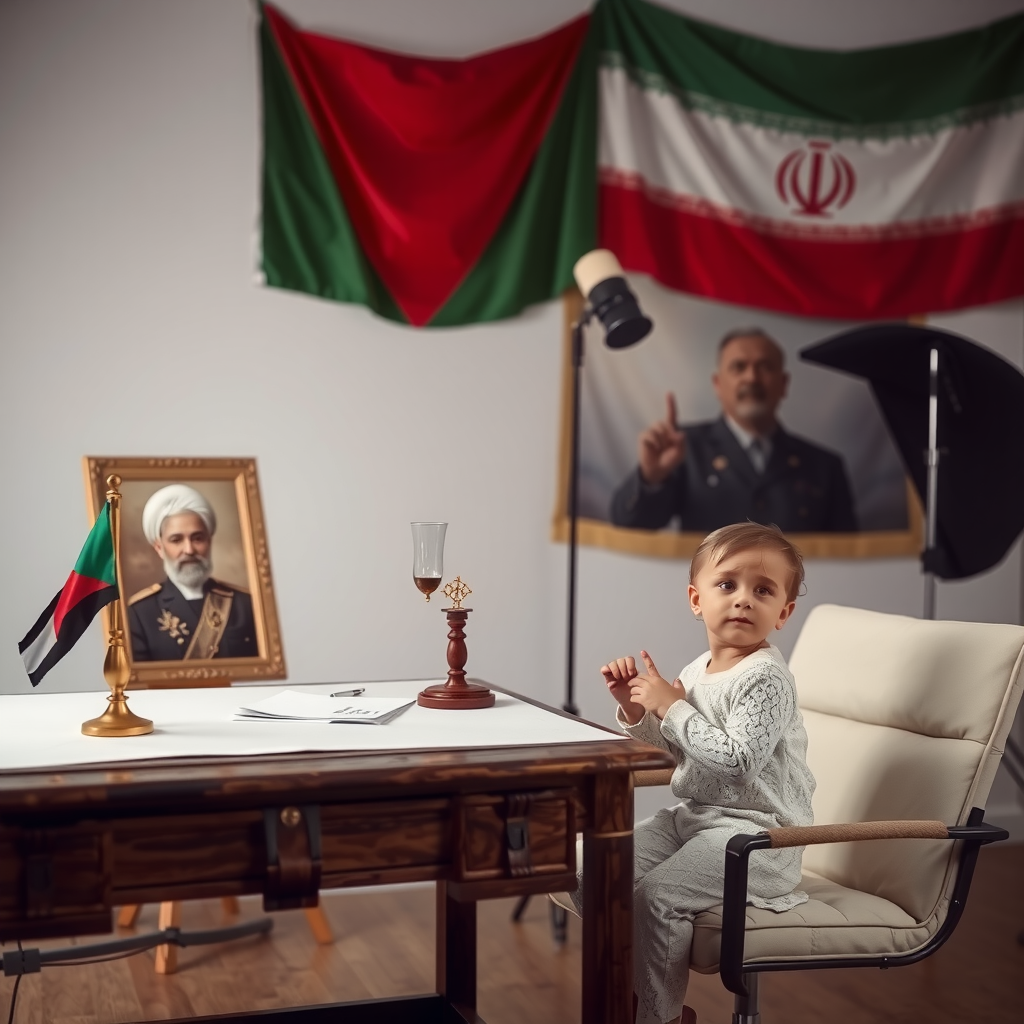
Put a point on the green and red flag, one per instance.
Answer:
(434, 191)
(91, 585)
(871, 183)
(862, 184)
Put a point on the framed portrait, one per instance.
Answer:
(826, 420)
(194, 568)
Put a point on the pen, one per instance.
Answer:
(354, 692)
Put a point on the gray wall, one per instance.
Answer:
(131, 324)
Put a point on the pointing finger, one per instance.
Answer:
(670, 410)
(651, 667)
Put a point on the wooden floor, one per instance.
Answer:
(385, 947)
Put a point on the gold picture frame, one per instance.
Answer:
(241, 567)
(889, 543)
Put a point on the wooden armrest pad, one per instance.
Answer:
(810, 835)
(653, 777)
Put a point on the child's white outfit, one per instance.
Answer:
(741, 748)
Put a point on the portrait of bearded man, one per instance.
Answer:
(189, 615)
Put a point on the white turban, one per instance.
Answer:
(169, 501)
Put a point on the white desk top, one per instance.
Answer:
(43, 730)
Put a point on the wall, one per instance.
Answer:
(131, 324)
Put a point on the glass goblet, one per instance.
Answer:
(427, 556)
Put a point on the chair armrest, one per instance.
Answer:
(975, 834)
(653, 777)
(812, 835)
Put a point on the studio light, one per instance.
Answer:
(601, 282)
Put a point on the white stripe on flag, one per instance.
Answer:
(953, 173)
(33, 654)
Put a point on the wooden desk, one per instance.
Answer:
(482, 823)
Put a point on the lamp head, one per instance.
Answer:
(600, 278)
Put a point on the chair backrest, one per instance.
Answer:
(906, 718)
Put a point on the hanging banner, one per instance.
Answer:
(433, 191)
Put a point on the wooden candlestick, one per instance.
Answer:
(456, 693)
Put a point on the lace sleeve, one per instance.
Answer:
(755, 722)
(647, 729)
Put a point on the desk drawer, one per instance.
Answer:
(515, 835)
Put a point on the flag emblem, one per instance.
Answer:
(815, 179)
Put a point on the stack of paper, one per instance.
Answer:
(295, 706)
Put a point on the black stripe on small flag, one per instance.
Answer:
(75, 623)
(41, 624)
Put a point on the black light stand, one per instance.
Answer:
(931, 504)
(609, 298)
(574, 492)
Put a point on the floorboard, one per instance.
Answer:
(384, 946)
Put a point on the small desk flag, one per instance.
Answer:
(91, 585)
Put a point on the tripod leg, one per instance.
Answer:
(128, 915)
(319, 925)
(559, 924)
(520, 906)
(167, 955)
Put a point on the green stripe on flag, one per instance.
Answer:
(97, 558)
(309, 244)
(885, 92)
(553, 219)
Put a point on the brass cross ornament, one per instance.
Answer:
(457, 592)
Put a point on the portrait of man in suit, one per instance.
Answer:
(189, 615)
(715, 419)
(743, 465)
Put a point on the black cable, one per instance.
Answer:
(14, 996)
(14, 992)
(102, 950)
(97, 959)
(142, 943)
(119, 949)
(113, 950)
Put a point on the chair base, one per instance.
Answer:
(746, 1009)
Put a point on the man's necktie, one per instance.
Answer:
(757, 454)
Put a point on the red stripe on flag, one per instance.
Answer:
(76, 588)
(875, 279)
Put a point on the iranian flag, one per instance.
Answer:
(433, 191)
(91, 585)
(856, 184)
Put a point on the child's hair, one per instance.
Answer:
(742, 537)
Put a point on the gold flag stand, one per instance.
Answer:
(117, 720)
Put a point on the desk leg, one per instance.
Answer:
(456, 950)
(608, 902)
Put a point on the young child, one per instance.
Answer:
(731, 719)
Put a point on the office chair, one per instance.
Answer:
(906, 722)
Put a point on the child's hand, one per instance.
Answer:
(618, 675)
(654, 693)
